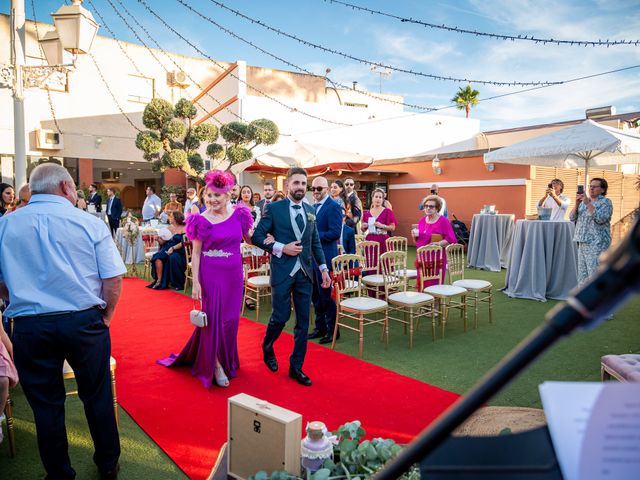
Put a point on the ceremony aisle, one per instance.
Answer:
(190, 423)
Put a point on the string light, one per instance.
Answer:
(373, 63)
(477, 33)
(266, 95)
(293, 65)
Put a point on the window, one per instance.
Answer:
(141, 89)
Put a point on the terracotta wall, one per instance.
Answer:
(463, 201)
(173, 176)
(85, 172)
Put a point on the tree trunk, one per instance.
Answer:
(467, 108)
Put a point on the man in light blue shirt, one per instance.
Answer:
(61, 272)
(152, 205)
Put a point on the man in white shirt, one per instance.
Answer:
(152, 205)
(191, 199)
(555, 200)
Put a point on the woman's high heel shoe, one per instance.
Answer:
(221, 378)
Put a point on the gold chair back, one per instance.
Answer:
(392, 264)
(253, 263)
(455, 262)
(359, 238)
(396, 244)
(430, 261)
(370, 252)
(347, 274)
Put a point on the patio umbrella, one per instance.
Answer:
(588, 144)
(315, 159)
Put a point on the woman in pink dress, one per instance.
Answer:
(378, 221)
(8, 373)
(434, 224)
(218, 283)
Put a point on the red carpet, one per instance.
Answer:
(190, 423)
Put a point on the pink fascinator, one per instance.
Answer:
(219, 181)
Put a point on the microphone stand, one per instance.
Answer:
(618, 277)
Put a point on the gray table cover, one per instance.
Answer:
(101, 215)
(129, 254)
(490, 241)
(543, 261)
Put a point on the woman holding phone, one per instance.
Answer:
(555, 200)
(592, 216)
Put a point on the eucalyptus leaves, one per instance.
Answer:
(354, 459)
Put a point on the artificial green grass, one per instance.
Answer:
(454, 363)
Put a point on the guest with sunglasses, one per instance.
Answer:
(434, 229)
(354, 212)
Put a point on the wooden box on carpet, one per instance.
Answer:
(262, 436)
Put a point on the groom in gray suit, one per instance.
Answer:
(292, 224)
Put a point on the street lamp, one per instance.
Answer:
(75, 31)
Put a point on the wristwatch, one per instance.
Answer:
(325, 269)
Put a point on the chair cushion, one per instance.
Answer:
(410, 298)
(408, 272)
(373, 280)
(626, 366)
(363, 304)
(444, 290)
(472, 284)
(68, 372)
(259, 281)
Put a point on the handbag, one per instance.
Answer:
(198, 317)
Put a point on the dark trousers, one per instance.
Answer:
(41, 344)
(299, 286)
(324, 305)
(114, 223)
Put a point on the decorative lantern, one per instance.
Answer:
(76, 27)
(53, 51)
(316, 446)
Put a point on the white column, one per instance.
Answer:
(18, 43)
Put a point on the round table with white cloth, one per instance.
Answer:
(130, 254)
(490, 241)
(543, 260)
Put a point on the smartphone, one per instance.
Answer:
(580, 189)
(550, 186)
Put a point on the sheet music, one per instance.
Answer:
(595, 428)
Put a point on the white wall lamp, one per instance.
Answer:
(491, 166)
(98, 142)
(435, 164)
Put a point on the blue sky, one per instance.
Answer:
(413, 47)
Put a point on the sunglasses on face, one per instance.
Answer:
(317, 189)
(429, 206)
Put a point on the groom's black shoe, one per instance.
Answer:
(270, 360)
(299, 376)
(316, 334)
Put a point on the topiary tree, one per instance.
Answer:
(172, 141)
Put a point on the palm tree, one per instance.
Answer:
(466, 98)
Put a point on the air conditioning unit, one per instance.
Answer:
(49, 140)
(599, 112)
(177, 78)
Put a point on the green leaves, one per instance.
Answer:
(215, 151)
(263, 131)
(175, 129)
(157, 114)
(185, 109)
(176, 158)
(205, 132)
(235, 132)
(149, 142)
(237, 154)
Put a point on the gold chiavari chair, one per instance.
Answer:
(257, 277)
(347, 275)
(400, 244)
(430, 260)
(411, 305)
(479, 290)
(150, 242)
(188, 274)
(371, 279)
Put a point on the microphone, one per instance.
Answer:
(617, 278)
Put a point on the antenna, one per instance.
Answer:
(382, 72)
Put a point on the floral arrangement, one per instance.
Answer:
(220, 181)
(355, 458)
(131, 229)
(311, 217)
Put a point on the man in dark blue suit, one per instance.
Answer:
(292, 223)
(94, 197)
(328, 221)
(114, 210)
(347, 236)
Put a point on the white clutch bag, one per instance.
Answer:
(198, 317)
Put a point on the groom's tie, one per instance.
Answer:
(299, 219)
